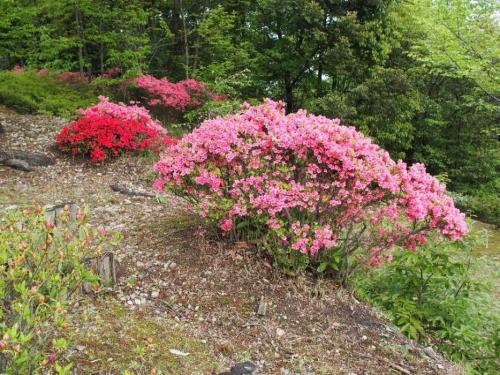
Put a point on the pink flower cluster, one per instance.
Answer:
(178, 96)
(317, 186)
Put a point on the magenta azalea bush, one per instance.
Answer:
(313, 192)
(179, 96)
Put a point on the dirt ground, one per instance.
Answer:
(186, 304)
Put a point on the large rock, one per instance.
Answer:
(24, 160)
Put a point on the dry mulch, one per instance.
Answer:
(170, 272)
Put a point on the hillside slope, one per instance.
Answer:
(180, 290)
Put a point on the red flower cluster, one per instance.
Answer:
(102, 136)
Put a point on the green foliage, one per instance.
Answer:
(383, 106)
(212, 109)
(435, 295)
(485, 206)
(28, 92)
(40, 270)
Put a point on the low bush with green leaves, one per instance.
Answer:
(436, 296)
(40, 272)
(29, 92)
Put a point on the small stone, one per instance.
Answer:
(279, 332)
(245, 368)
(430, 352)
(155, 294)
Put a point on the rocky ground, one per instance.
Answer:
(187, 304)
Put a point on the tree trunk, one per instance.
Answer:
(320, 78)
(289, 94)
(101, 47)
(80, 45)
(186, 46)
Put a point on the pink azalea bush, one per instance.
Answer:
(312, 191)
(177, 96)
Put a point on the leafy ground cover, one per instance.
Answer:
(203, 292)
(443, 295)
(29, 92)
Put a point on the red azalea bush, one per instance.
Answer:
(178, 96)
(71, 78)
(112, 73)
(17, 69)
(108, 129)
(312, 191)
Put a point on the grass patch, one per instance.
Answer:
(117, 340)
(28, 92)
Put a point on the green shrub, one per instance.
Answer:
(28, 92)
(436, 295)
(211, 109)
(40, 270)
(484, 206)
(120, 89)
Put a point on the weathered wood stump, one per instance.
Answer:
(54, 213)
(105, 266)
